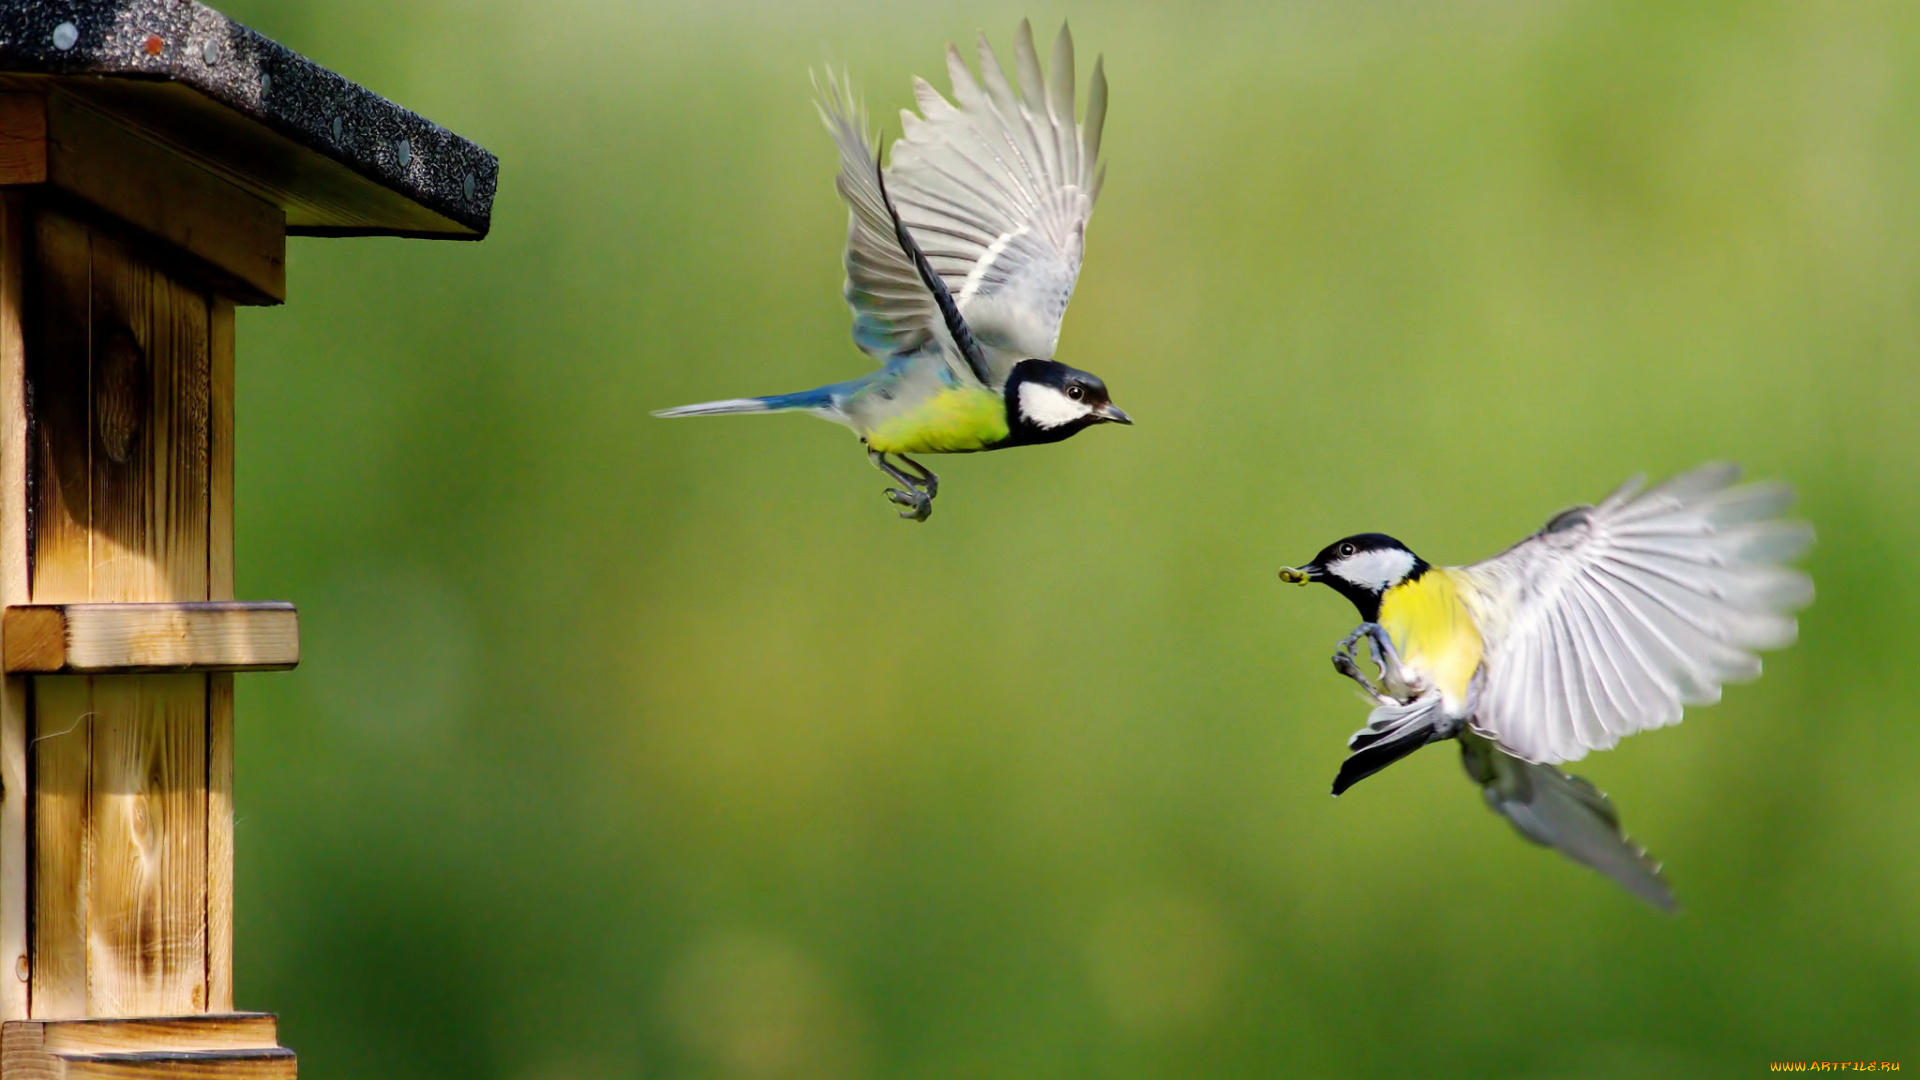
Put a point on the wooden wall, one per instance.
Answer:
(116, 439)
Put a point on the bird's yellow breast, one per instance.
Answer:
(1434, 633)
(956, 420)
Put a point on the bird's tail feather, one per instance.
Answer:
(717, 408)
(1392, 732)
(1566, 813)
(818, 399)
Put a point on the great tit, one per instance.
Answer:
(998, 187)
(1604, 623)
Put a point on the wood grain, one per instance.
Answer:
(15, 715)
(212, 1031)
(320, 196)
(148, 908)
(35, 639)
(220, 346)
(219, 975)
(275, 1064)
(58, 372)
(150, 453)
(122, 411)
(221, 687)
(220, 392)
(147, 874)
(135, 638)
(60, 755)
(226, 1046)
(238, 235)
(23, 139)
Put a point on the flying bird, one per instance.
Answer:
(961, 256)
(1606, 622)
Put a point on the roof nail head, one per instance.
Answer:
(210, 52)
(65, 36)
(336, 129)
(154, 45)
(467, 186)
(404, 150)
(266, 84)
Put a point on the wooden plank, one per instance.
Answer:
(58, 372)
(220, 842)
(23, 139)
(161, 193)
(146, 918)
(121, 918)
(21, 1054)
(207, 1031)
(203, 1031)
(130, 638)
(220, 1044)
(275, 1064)
(320, 196)
(148, 817)
(15, 715)
(60, 753)
(35, 639)
(220, 393)
(132, 377)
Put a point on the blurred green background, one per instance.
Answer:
(608, 757)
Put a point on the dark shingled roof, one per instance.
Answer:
(340, 159)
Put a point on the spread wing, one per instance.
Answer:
(1566, 813)
(998, 187)
(1613, 617)
(900, 307)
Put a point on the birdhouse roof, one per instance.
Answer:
(339, 159)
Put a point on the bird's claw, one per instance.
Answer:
(917, 487)
(919, 503)
(1344, 663)
(1347, 664)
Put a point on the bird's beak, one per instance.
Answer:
(1111, 414)
(1299, 575)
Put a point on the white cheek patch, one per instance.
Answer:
(1374, 570)
(1045, 407)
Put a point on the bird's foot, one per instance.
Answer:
(1344, 663)
(919, 476)
(919, 503)
(1385, 656)
(917, 483)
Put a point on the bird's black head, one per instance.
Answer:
(1047, 401)
(1360, 568)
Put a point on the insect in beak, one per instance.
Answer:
(1299, 575)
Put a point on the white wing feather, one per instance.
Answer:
(1612, 618)
(997, 186)
(893, 313)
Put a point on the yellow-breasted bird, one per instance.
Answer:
(961, 257)
(1604, 623)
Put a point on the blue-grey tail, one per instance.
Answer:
(820, 399)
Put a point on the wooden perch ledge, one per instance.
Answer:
(232, 1046)
(107, 639)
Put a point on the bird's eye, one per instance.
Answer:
(1346, 550)
(1076, 392)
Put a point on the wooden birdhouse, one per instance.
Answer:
(154, 157)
